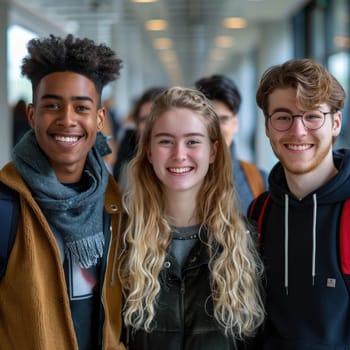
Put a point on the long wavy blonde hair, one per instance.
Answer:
(235, 268)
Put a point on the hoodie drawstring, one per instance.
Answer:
(286, 206)
(286, 238)
(116, 257)
(314, 239)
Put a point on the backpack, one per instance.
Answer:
(260, 206)
(9, 212)
(254, 177)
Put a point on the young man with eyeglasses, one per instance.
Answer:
(307, 292)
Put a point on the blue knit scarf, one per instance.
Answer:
(75, 216)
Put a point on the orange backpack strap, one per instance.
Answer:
(254, 177)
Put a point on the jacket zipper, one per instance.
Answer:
(108, 223)
(182, 292)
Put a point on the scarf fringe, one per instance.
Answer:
(88, 250)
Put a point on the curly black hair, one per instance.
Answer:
(221, 88)
(98, 63)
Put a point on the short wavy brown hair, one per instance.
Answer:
(313, 83)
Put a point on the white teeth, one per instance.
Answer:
(299, 147)
(179, 170)
(66, 138)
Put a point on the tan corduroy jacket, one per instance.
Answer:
(34, 304)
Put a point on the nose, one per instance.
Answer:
(298, 126)
(66, 117)
(179, 153)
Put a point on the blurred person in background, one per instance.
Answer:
(128, 145)
(20, 121)
(225, 97)
(111, 129)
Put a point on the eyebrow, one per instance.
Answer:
(73, 98)
(191, 134)
(224, 116)
(281, 109)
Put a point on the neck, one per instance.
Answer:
(180, 208)
(303, 184)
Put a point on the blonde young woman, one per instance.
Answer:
(190, 270)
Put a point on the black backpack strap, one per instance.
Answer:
(9, 212)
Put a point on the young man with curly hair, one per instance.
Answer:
(61, 288)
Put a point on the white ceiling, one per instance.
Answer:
(193, 26)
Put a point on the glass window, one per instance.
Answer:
(339, 57)
(18, 87)
(339, 28)
(339, 66)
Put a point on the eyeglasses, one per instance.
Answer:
(312, 120)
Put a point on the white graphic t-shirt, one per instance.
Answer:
(82, 287)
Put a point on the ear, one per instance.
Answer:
(267, 131)
(30, 115)
(149, 155)
(337, 122)
(213, 152)
(101, 116)
(235, 122)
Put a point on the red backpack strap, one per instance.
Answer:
(344, 240)
(257, 210)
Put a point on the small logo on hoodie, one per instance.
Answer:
(331, 282)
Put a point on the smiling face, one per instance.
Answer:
(180, 150)
(66, 118)
(301, 150)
